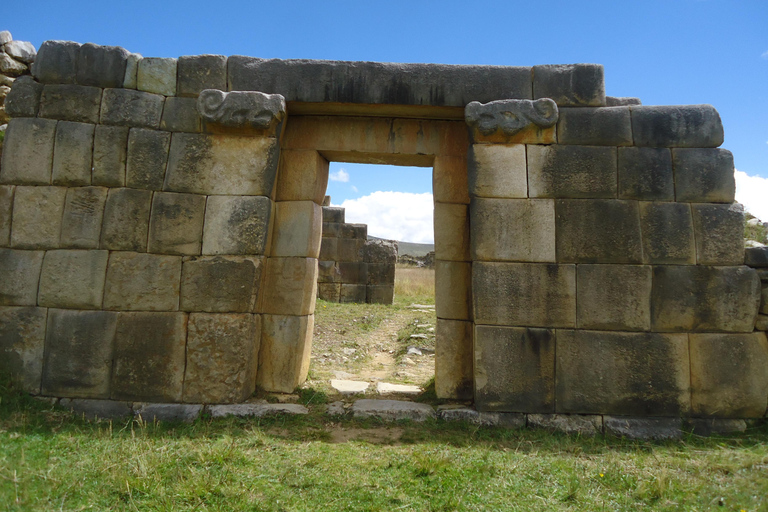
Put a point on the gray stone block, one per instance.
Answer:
(236, 225)
(607, 126)
(21, 277)
(453, 289)
(379, 294)
(377, 251)
(329, 291)
(353, 293)
(176, 223)
(149, 356)
(756, 257)
(681, 126)
(704, 175)
(180, 115)
(613, 101)
(78, 353)
(252, 111)
(762, 321)
(356, 231)
(333, 214)
(514, 369)
(329, 249)
(714, 426)
(381, 274)
(142, 282)
(454, 360)
(73, 154)
(220, 284)
(6, 212)
(512, 121)
(613, 297)
(331, 229)
(56, 62)
(297, 229)
(524, 294)
(28, 152)
(502, 419)
(22, 342)
(24, 98)
(37, 216)
(71, 103)
(22, 51)
(640, 374)
(328, 272)
(126, 107)
(643, 428)
(185, 413)
(5, 37)
(255, 410)
(598, 231)
(704, 299)
(646, 174)
(101, 66)
(83, 213)
(11, 67)
(392, 410)
(157, 75)
(496, 170)
(667, 230)
(570, 85)
(353, 272)
(95, 409)
(126, 220)
(132, 71)
(198, 72)
(582, 425)
(450, 412)
(572, 171)
(110, 151)
(73, 279)
(719, 233)
(147, 157)
(349, 250)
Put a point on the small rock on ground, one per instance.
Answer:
(168, 412)
(349, 387)
(255, 410)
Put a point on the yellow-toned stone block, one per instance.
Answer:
(290, 286)
(303, 176)
(453, 290)
(495, 170)
(449, 179)
(453, 360)
(451, 232)
(298, 229)
(286, 342)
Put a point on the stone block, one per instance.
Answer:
(496, 170)
(185, 413)
(381, 274)
(613, 297)
(95, 409)
(21, 277)
(110, 151)
(198, 72)
(331, 229)
(101, 66)
(126, 107)
(303, 176)
(704, 299)
(756, 257)
(704, 175)
(28, 152)
(379, 294)
(147, 157)
(236, 225)
(22, 341)
(512, 229)
(571, 424)
(449, 179)
(241, 112)
(762, 322)
(728, 375)
(149, 356)
(392, 410)
(632, 374)
(357, 231)
(514, 369)
(176, 223)
(297, 229)
(83, 213)
(142, 282)
(328, 272)
(451, 223)
(328, 249)
(126, 220)
(570, 85)
(180, 115)
(220, 164)
(71, 103)
(598, 231)
(221, 284)
(453, 360)
(286, 342)
(646, 174)
(72, 279)
(157, 75)
(24, 98)
(255, 410)
(572, 171)
(78, 353)
(333, 214)
(132, 71)
(512, 121)
(56, 62)
(524, 294)
(353, 272)
(377, 251)
(289, 286)
(10, 67)
(5, 37)
(37, 216)
(714, 426)
(681, 126)
(6, 211)
(353, 293)
(329, 291)
(349, 250)
(222, 357)
(658, 429)
(613, 101)
(606, 126)
(453, 290)
(73, 154)
(667, 230)
(719, 233)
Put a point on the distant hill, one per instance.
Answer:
(409, 248)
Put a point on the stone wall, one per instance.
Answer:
(757, 258)
(15, 59)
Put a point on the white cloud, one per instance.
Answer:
(752, 192)
(402, 216)
(354, 188)
(765, 55)
(341, 175)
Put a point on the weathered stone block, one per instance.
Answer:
(71, 103)
(512, 229)
(643, 374)
(221, 284)
(570, 85)
(239, 112)
(110, 151)
(72, 154)
(453, 290)
(328, 272)
(198, 72)
(6, 211)
(219, 164)
(379, 294)
(524, 294)
(28, 152)
(353, 293)
(73, 279)
(377, 251)
(83, 212)
(126, 220)
(582, 425)
(289, 286)
(303, 176)
(329, 291)
(151, 413)
(132, 71)
(357, 231)
(704, 175)
(9, 66)
(147, 157)
(714, 426)
(643, 428)
(22, 341)
(37, 215)
(381, 274)
(95, 409)
(451, 223)
(762, 322)
(449, 179)
(126, 107)
(728, 375)
(56, 62)
(607, 126)
(180, 115)
(298, 229)
(453, 360)
(512, 121)
(328, 249)
(514, 369)
(646, 174)
(157, 75)
(286, 342)
(176, 223)
(142, 282)
(495, 170)
(78, 353)
(598, 231)
(353, 272)
(333, 214)
(613, 101)
(21, 277)
(236, 225)
(24, 98)
(572, 171)
(701, 299)
(667, 230)
(756, 257)
(683, 126)
(149, 356)
(613, 297)
(222, 357)
(349, 249)
(101, 66)
(719, 233)
(331, 229)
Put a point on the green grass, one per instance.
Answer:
(758, 233)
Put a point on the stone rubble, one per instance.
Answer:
(16, 57)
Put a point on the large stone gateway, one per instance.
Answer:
(160, 227)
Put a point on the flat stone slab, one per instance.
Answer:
(97, 409)
(167, 412)
(392, 410)
(255, 410)
(385, 388)
(643, 428)
(349, 387)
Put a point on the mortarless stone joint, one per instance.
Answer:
(510, 116)
(241, 109)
